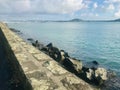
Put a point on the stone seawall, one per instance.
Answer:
(12, 76)
(31, 67)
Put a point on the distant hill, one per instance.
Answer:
(75, 20)
(117, 20)
(80, 20)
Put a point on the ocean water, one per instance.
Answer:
(86, 41)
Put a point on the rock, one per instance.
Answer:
(63, 55)
(77, 64)
(54, 52)
(41, 46)
(37, 44)
(50, 45)
(72, 65)
(45, 50)
(93, 73)
(14, 30)
(92, 65)
(100, 75)
(69, 65)
(90, 74)
(97, 77)
(95, 62)
(89, 69)
(30, 39)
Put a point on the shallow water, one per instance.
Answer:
(86, 41)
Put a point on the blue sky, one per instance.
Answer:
(60, 9)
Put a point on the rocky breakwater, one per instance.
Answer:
(91, 72)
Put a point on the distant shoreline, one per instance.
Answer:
(72, 20)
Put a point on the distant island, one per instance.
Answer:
(117, 20)
(72, 20)
(80, 20)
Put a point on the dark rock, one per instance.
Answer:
(14, 30)
(45, 50)
(54, 53)
(72, 65)
(30, 39)
(69, 65)
(77, 64)
(50, 45)
(37, 44)
(63, 55)
(92, 65)
(95, 62)
(41, 46)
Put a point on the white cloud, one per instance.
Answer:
(86, 3)
(41, 6)
(111, 7)
(115, 0)
(95, 5)
(111, 1)
(15, 6)
(117, 14)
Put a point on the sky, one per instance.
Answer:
(60, 9)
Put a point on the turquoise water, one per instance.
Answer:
(86, 41)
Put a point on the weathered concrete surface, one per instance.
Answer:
(42, 71)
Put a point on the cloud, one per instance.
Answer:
(111, 7)
(95, 5)
(14, 6)
(87, 3)
(41, 6)
(111, 1)
(115, 0)
(117, 14)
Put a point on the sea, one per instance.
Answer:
(86, 41)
